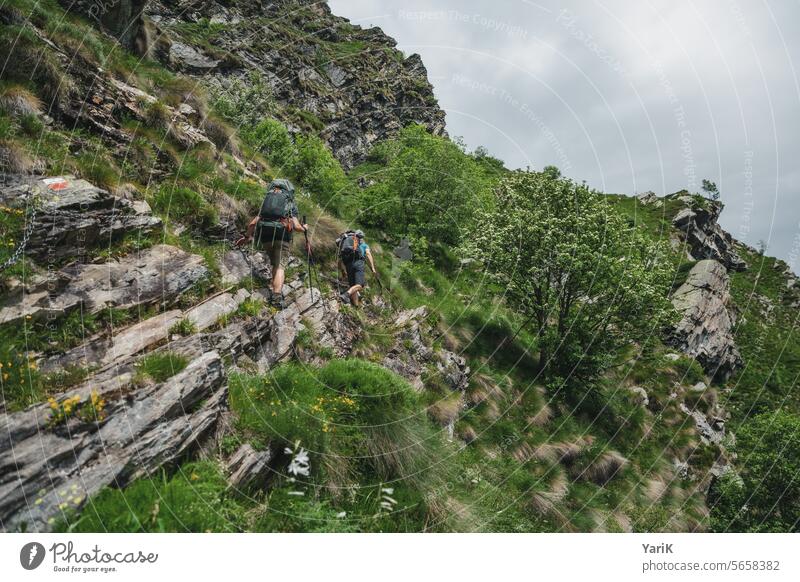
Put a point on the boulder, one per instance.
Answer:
(249, 468)
(236, 265)
(640, 395)
(47, 469)
(187, 58)
(705, 331)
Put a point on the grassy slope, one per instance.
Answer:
(481, 486)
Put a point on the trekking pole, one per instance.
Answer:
(310, 260)
(308, 255)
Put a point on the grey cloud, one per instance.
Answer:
(627, 96)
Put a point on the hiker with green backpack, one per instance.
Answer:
(271, 232)
(354, 253)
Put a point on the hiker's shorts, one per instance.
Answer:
(355, 273)
(278, 253)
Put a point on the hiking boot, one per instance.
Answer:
(276, 300)
(345, 298)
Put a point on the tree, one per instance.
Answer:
(569, 262)
(430, 188)
(710, 188)
(766, 494)
(552, 172)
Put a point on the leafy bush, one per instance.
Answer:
(431, 188)
(585, 280)
(307, 159)
(245, 103)
(272, 139)
(317, 170)
(765, 497)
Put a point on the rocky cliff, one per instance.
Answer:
(349, 84)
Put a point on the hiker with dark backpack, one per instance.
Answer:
(354, 253)
(271, 232)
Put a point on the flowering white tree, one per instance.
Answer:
(574, 266)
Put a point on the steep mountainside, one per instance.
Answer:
(326, 75)
(148, 385)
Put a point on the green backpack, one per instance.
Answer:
(275, 216)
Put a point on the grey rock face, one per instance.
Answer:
(159, 274)
(45, 470)
(249, 468)
(76, 216)
(121, 18)
(186, 58)
(411, 355)
(350, 79)
(705, 238)
(705, 331)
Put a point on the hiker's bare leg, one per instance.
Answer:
(353, 293)
(278, 276)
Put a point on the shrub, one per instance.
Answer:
(350, 411)
(184, 205)
(245, 102)
(766, 495)
(319, 171)
(569, 263)
(431, 188)
(272, 139)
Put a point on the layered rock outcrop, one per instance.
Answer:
(47, 470)
(74, 216)
(705, 238)
(347, 83)
(705, 330)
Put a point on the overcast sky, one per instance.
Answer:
(629, 96)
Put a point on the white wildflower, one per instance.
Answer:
(300, 464)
